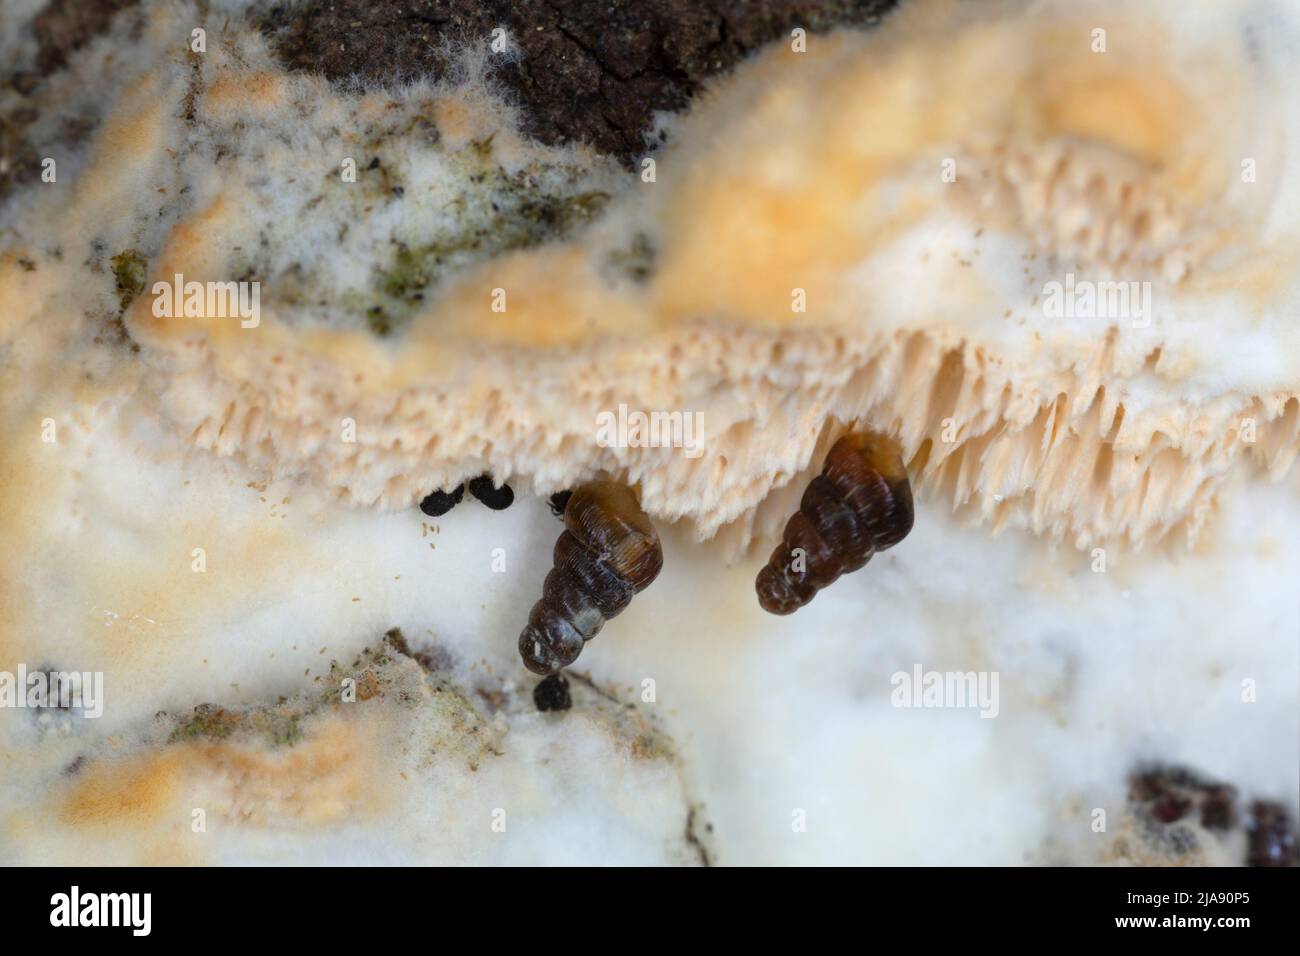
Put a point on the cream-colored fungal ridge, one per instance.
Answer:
(1072, 468)
(921, 185)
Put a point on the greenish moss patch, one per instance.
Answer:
(512, 214)
(281, 724)
(129, 272)
(636, 261)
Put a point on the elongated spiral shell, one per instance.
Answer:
(608, 552)
(861, 503)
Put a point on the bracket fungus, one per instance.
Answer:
(1069, 295)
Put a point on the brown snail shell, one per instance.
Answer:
(861, 503)
(608, 552)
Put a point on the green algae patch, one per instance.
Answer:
(278, 726)
(130, 270)
(282, 724)
(511, 216)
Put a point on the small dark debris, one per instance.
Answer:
(18, 156)
(498, 499)
(1170, 793)
(560, 501)
(379, 322)
(397, 640)
(1170, 808)
(1272, 838)
(435, 657)
(1216, 811)
(1171, 797)
(552, 693)
(637, 261)
(439, 503)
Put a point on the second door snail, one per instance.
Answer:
(861, 503)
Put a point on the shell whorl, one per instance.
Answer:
(861, 503)
(608, 552)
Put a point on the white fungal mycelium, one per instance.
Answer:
(1053, 248)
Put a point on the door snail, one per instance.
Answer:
(608, 552)
(861, 503)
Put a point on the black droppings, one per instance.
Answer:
(440, 502)
(498, 499)
(553, 693)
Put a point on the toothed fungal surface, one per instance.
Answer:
(466, 302)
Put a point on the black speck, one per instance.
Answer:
(498, 499)
(1216, 810)
(553, 693)
(440, 502)
(560, 501)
